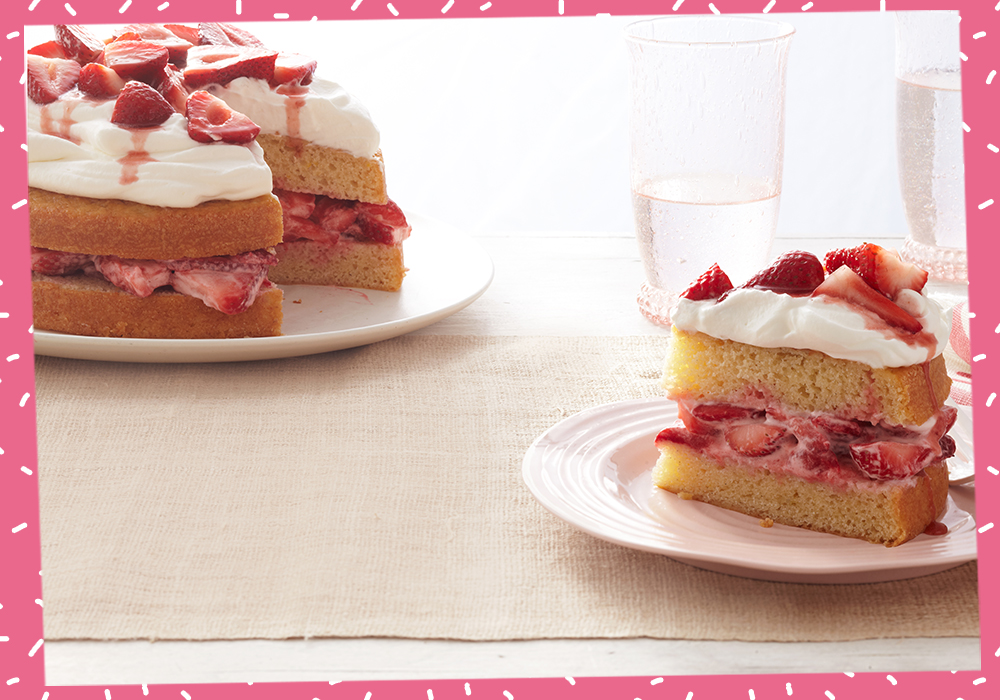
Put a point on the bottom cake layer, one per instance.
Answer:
(85, 305)
(888, 513)
(348, 263)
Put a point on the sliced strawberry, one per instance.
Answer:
(890, 460)
(229, 292)
(48, 78)
(57, 262)
(948, 447)
(297, 228)
(837, 426)
(880, 267)
(171, 86)
(176, 46)
(80, 45)
(715, 412)
(210, 119)
(335, 214)
(693, 424)
(188, 34)
(711, 285)
(298, 204)
(293, 69)
(796, 272)
(240, 36)
(50, 49)
(138, 277)
(207, 65)
(97, 80)
(380, 223)
(136, 59)
(212, 34)
(681, 436)
(754, 439)
(138, 105)
(846, 285)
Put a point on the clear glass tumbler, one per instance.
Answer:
(929, 145)
(707, 126)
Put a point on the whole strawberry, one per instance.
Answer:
(796, 273)
(711, 285)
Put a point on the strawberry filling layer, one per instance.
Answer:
(328, 221)
(229, 284)
(814, 446)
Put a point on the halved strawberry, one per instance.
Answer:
(890, 460)
(171, 86)
(293, 69)
(300, 204)
(796, 272)
(948, 447)
(138, 105)
(79, 43)
(50, 49)
(212, 34)
(188, 34)
(97, 80)
(754, 439)
(335, 214)
(381, 223)
(880, 267)
(136, 59)
(212, 64)
(48, 78)
(176, 46)
(240, 36)
(711, 285)
(210, 119)
(845, 284)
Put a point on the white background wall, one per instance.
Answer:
(522, 124)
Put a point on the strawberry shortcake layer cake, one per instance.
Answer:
(812, 396)
(151, 204)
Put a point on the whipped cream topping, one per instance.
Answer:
(74, 149)
(323, 113)
(768, 319)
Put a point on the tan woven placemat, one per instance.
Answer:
(377, 492)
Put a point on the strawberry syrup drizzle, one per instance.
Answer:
(133, 159)
(59, 127)
(294, 102)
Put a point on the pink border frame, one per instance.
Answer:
(21, 647)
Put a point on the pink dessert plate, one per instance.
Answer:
(448, 270)
(593, 470)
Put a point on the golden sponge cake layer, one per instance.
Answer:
(706, 369)
(346, 264)
(299, 166)
(84, 305)
(888, 513)
(131, 230)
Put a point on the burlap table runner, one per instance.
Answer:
(377, 492)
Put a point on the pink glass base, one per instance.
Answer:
(655, 304)
(943, 264)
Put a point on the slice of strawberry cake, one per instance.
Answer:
(152, 212)
(812, 396)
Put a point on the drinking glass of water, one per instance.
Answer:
(707, 126)
(929, 146)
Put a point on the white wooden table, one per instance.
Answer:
(545, 284)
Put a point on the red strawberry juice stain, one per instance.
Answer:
(936, 529)
(59, 127)
(295, 100)
(930, 385)
(131, 161)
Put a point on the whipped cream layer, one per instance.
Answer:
(74, 149)
(324, 113)
(768, 319)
